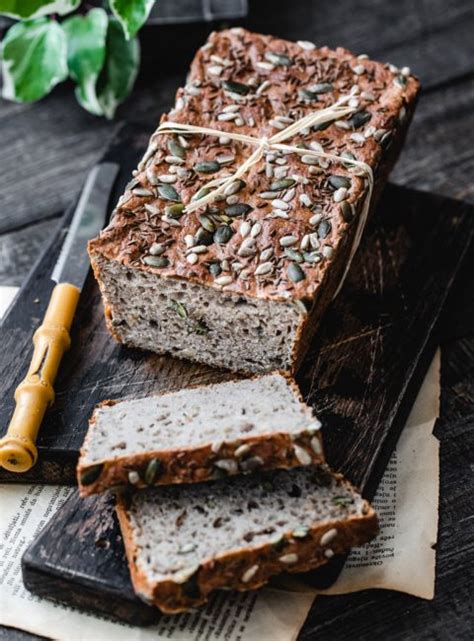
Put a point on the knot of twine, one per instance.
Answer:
(338, 110)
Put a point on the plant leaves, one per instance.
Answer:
(120, 69)
(34, 59)
(21, 9)
(131, 15)
(86, 38)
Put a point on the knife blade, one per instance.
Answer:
(35, 393)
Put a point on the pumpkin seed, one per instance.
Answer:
(347, 211)
(156, 261)
(207, 223)
(236, 87)
(223, 234)
(179, 308)
(91, 474)
(324, 228)
(278, 59)
(359, 119)
(295, 273)
(204, 191)
(234, 187)
(174, 211)
(203, 238)
(153, 469)
(339, 181)
(176, 149)
(239, 209)
(304, 94)
(168, 192)
(215, 269)
(207, 166)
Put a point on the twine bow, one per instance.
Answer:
(338, 110)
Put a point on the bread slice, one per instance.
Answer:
(183, 542)
(199, 434)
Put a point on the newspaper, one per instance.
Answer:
(401, 558)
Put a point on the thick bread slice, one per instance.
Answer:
(199, 434)
(184, 542)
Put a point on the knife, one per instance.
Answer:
(35, 393)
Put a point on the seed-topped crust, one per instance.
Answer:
(276, 231)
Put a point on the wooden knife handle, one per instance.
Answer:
(35, 393)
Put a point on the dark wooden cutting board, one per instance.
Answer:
(361, 374)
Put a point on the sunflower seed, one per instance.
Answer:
(156, 261)
(264, 268)
(328, 553)
(232, 200)
(263, 87)
(200, 249)
(280, 204)
(305, 200)
(91, 474)
(309, 160)
(305, 44)
(340, 195)
(314, 240)
(167, 178)
(312, 257)
(266, 254)
(328, 536)
(356, 137)
(225, 159)
(289, 559)
(192, 258)
(358, 70)
(278, 185)
(247, 248)
(314, 220)
(295, 273)
(287, 241)
(256, 229)
(277, 124)
(278, 59)
(133, 477)
(290, 194)
(223, 280)
(241, 450)
(142, 191)
(300, 532)
(249, 574)
(239, 209)
(316, 445)
(227, 464)
(244, 229)
(320, 87)
(215, 70)
(156, 249)
(266, 66)
(234, 187)
(226, 117)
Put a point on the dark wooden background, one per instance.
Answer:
(47, 148)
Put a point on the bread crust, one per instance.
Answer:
(228, 570)
(201, 463)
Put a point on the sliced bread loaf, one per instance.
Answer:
(199, 434)
(183, 542)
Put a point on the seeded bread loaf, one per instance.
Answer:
(199, 434)
(243, 282)
(183, 542)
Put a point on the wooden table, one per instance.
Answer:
(47, 148)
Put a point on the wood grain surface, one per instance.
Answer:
(41, 177)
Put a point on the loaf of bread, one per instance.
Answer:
(242, 282)
(182, 542)
(199, 434)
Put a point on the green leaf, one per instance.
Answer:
(86, 37)
(34, 59)
(131, 15)
(21, 9)
(120, 69)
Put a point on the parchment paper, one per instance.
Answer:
(401, 558)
